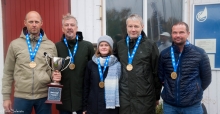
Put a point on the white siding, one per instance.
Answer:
(211, 97)
(88, 15)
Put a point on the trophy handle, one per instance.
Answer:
(46, 55)
(67, 64)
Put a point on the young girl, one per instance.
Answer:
(101, 94)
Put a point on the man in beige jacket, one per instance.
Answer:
(25, 65)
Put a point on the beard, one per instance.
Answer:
(69, 36)
(180, 43)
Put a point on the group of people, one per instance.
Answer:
(125, 81)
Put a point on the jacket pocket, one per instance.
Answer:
(41, 79)
(24, 81)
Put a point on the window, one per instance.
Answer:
(161, 14)
(117, 12)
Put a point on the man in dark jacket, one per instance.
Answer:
(185, 72)
(73, 45)
(139, 86)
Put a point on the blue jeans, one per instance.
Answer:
(67, 112)
(194, 109)
(25, 106)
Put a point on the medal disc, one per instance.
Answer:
(72, 66)
(173, 75)
(101, 84)
(129, 67)
(32, 64)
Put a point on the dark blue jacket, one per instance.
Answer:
(193, 75)
(94, 96)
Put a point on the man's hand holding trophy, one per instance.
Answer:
(54, 88)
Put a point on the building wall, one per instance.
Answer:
(1, 58)
(211, 97)
(89, 16)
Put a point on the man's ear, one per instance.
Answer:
(25, 22)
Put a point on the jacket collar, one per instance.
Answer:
(24, 32)
(79, 33)
(112, 60)
(186, 48)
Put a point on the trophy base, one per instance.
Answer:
(54, 93)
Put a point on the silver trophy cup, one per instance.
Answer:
(54, 88)
(56, 63)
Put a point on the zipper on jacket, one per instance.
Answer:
(33, 47)
(198, 86)
(177, 88)
(33, 84)
(177, 83)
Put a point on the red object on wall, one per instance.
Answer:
(51, 11)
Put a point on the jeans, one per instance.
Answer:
(194, 109)
(24, 106)
(67, 112)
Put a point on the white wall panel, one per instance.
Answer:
(87, 14)
(211, 96)
(97, 20)
(210, 100)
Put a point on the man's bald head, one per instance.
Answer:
(32, 13)
(33, 22)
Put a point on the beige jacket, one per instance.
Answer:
(30, 83)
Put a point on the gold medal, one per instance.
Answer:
(129, 67)
(173, 75)
(32, 64)
(72, 66)
(101, 84)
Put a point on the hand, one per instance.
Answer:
(56, 75)
(157, 102)
(7, 106)
(84, 112)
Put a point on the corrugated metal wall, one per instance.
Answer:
(51, 11)
(14, 12)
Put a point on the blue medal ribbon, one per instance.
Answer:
(74, 50)
(175, 65)
(33, 52)
(100, 69)
(131, 56)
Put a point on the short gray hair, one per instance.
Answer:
(135, 17)
(67, 17)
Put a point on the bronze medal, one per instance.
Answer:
(173, 75)
(101, 84)
(129, 67)
(32, 64)
(72, 66)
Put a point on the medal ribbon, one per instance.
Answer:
(131, 56)
(31, 52)
(175, 65)
(74, 50)
(100, 69)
